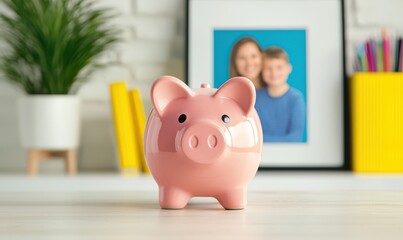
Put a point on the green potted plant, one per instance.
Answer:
(51, 46)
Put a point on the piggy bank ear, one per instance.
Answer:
(167, 88)
(241, 90)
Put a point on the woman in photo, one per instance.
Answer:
(246, 61)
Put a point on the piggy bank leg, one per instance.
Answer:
(173, 198)
(233, 199)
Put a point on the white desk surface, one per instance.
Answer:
(281, 205)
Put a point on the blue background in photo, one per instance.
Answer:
(293, 41)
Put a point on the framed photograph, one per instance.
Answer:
(293, 52)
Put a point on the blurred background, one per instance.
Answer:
(153, 33)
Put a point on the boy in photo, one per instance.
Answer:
(281, 108)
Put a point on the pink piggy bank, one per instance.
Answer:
(203, 142)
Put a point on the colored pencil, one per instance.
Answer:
(401, 56)
(386, 50)
(363, 58)
(397, 54)
(372, 45)
(368, 56)
(379, 56)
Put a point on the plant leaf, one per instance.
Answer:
(50, 43)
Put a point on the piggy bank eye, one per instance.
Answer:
(182, 118)
(225, 118)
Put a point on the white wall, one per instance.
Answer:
(153, 32)
(367, 18)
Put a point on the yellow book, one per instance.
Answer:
(377, 122)
(124, 129)
(139, 120)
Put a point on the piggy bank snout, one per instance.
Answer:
(203, 143)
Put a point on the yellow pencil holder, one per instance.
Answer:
(377, 122)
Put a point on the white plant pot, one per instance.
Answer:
(49, 122)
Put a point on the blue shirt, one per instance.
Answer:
(283, 117)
